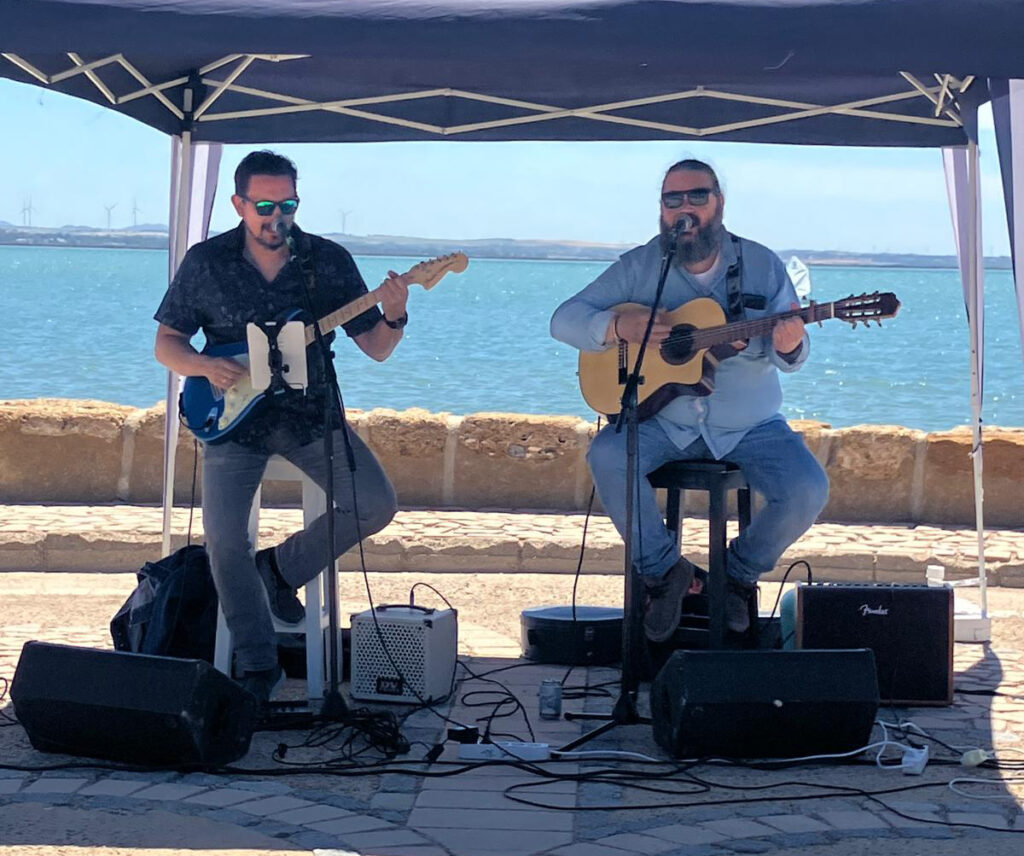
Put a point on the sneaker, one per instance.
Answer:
(262, 684)
(737, 605)
(665, 600)
(284, 600)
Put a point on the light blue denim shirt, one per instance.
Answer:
(747, 390)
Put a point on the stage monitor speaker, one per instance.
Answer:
(152, 711)
(910, 629)
(764, 704)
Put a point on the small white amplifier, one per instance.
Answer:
(406, 655)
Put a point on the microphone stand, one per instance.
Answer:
(334, 706)
(625, 710)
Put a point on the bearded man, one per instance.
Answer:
(739, 422)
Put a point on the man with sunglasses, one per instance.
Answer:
(738, 422)
(259, 272)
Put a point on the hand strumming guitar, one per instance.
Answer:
(630, 325)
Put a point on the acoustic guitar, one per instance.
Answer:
(685, 363)
(212, 413)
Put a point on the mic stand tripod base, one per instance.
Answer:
(334, 708)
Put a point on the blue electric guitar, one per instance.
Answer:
(212, 413)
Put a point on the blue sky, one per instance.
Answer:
(73, 158)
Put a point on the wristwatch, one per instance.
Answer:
(398, 323)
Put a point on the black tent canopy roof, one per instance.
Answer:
(795, 71)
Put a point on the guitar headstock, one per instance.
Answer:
(430, 272)
(866, 307)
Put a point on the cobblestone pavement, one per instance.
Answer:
(567, 807)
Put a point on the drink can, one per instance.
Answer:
(550, 699)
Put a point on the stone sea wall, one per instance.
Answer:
(79, 451)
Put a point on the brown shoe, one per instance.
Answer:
(737, 605)
(665, 600)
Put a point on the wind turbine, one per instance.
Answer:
(344, 220)
(26, 213)
(109, 209)
(135, 212)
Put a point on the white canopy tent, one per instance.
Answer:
(826, 72)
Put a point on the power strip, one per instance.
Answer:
(504, 751)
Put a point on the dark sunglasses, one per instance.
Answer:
(699, 196)
(265, 207)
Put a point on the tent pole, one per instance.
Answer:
(181, 205)
(977, 307)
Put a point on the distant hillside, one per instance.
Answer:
(153, 236)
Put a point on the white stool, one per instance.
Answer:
(317, 624)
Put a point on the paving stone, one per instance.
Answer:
(54, 786)
(748, 845)
(458, 818)
(681, 834)
(394, 801)
(631, 842)
(739, 828)
(590, 848)
(474, 842)
(10, 786)
(489, 799)
(356, 823)
(262, 787)
(989, 820)
(221, 797)
(852, 820)
(368, 842)
(408, 850)
(272, 805)
(169, 791)
(311, 814)
(112, 788)
(793, 823)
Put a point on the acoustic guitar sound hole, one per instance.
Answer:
(678, 347)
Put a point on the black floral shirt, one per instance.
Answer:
(217, 290)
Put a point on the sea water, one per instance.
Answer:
(78, 323)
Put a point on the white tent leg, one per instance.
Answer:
(194, 169)
(181, 194)
(976, 289)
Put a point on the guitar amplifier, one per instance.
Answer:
(909, 628)
(403, 653)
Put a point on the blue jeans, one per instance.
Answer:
(776, 463)
(231, 475)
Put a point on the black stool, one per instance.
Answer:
(715, 477)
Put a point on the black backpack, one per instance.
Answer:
(173, 610)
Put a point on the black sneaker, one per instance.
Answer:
(665, 600)
(262, 684)
(284, 600)
(737, 605)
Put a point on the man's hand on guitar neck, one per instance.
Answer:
(788, 333)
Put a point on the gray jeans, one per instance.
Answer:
(231, 475)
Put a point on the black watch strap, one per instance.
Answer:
(398, 323)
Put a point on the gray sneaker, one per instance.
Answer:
(665, 600)
(737, 605)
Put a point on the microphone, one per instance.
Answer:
(684, 224)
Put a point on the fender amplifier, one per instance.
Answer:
(403, 653)
(909, 627)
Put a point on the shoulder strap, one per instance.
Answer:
(734, 284)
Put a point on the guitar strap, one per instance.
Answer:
(734, 284)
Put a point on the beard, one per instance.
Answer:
(698, 246)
